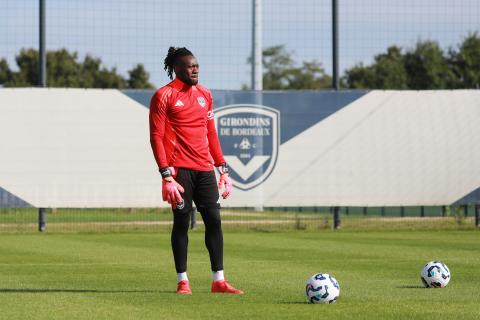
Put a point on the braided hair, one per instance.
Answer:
(171, 59)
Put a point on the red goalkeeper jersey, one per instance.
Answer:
(182, 129)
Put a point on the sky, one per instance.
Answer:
(219, 32)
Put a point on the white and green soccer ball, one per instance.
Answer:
(322, 288)
(435, 274)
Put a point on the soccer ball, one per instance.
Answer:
(435, 274)
(322, 288)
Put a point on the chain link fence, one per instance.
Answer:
(114, 37)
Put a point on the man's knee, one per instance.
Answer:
(210, 214)
(181, 219)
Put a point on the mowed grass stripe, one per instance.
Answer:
(131, 275)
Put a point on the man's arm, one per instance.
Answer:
(213, 141)
(217, 154)
(214, 144)
(157, 118)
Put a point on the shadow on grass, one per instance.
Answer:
(41, 290)
(410, 287)
(293, 302)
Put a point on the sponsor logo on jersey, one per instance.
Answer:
(201, 102)
(250, 136)
(179, 103)
(210, 115)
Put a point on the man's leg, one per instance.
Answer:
(180, 239)
(181, 223)
(213, 234)
(206, 197)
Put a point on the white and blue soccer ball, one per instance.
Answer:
(435, 274)
(322, 288)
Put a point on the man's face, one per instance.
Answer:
(187, 70)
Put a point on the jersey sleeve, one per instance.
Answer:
(157, 119)
(212, 136)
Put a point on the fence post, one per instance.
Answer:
(444, 211)
(42, 53)
(336, 217)
(257, 72)
(465, 210)
(335, 78)
(402, 211)
(42, 219)
(477, 215)
(422, 211)
(364, 211)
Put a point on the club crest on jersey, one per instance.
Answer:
(201, 102)
(250, 136)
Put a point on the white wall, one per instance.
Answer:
(388, 148)
(76, 148)
(90, 148)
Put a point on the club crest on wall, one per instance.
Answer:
(250, 136)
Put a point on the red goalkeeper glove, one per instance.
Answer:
(171, 192)
(171, 189)
(225, 181)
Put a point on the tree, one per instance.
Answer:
(276, 61)
(27, 62)
(105, 78)
(5, 72)
(64, 70)
(310, 75)
(387, 72)
(423, 67)
(89, 71)
(466, 62)
(139, 78)
(427, 67)
(359, 77)
(390, 71)
(281, 73)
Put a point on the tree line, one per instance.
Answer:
(425, 66)
(64, 70)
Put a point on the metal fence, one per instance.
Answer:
(28, 220)
(125, 33)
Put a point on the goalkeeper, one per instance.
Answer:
(184, 140)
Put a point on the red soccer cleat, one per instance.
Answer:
(183, 287)
(222, 286)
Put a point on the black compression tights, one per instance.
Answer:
(213, 236)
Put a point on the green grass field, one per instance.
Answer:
(131, 275)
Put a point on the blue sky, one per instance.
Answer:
(123, 33)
